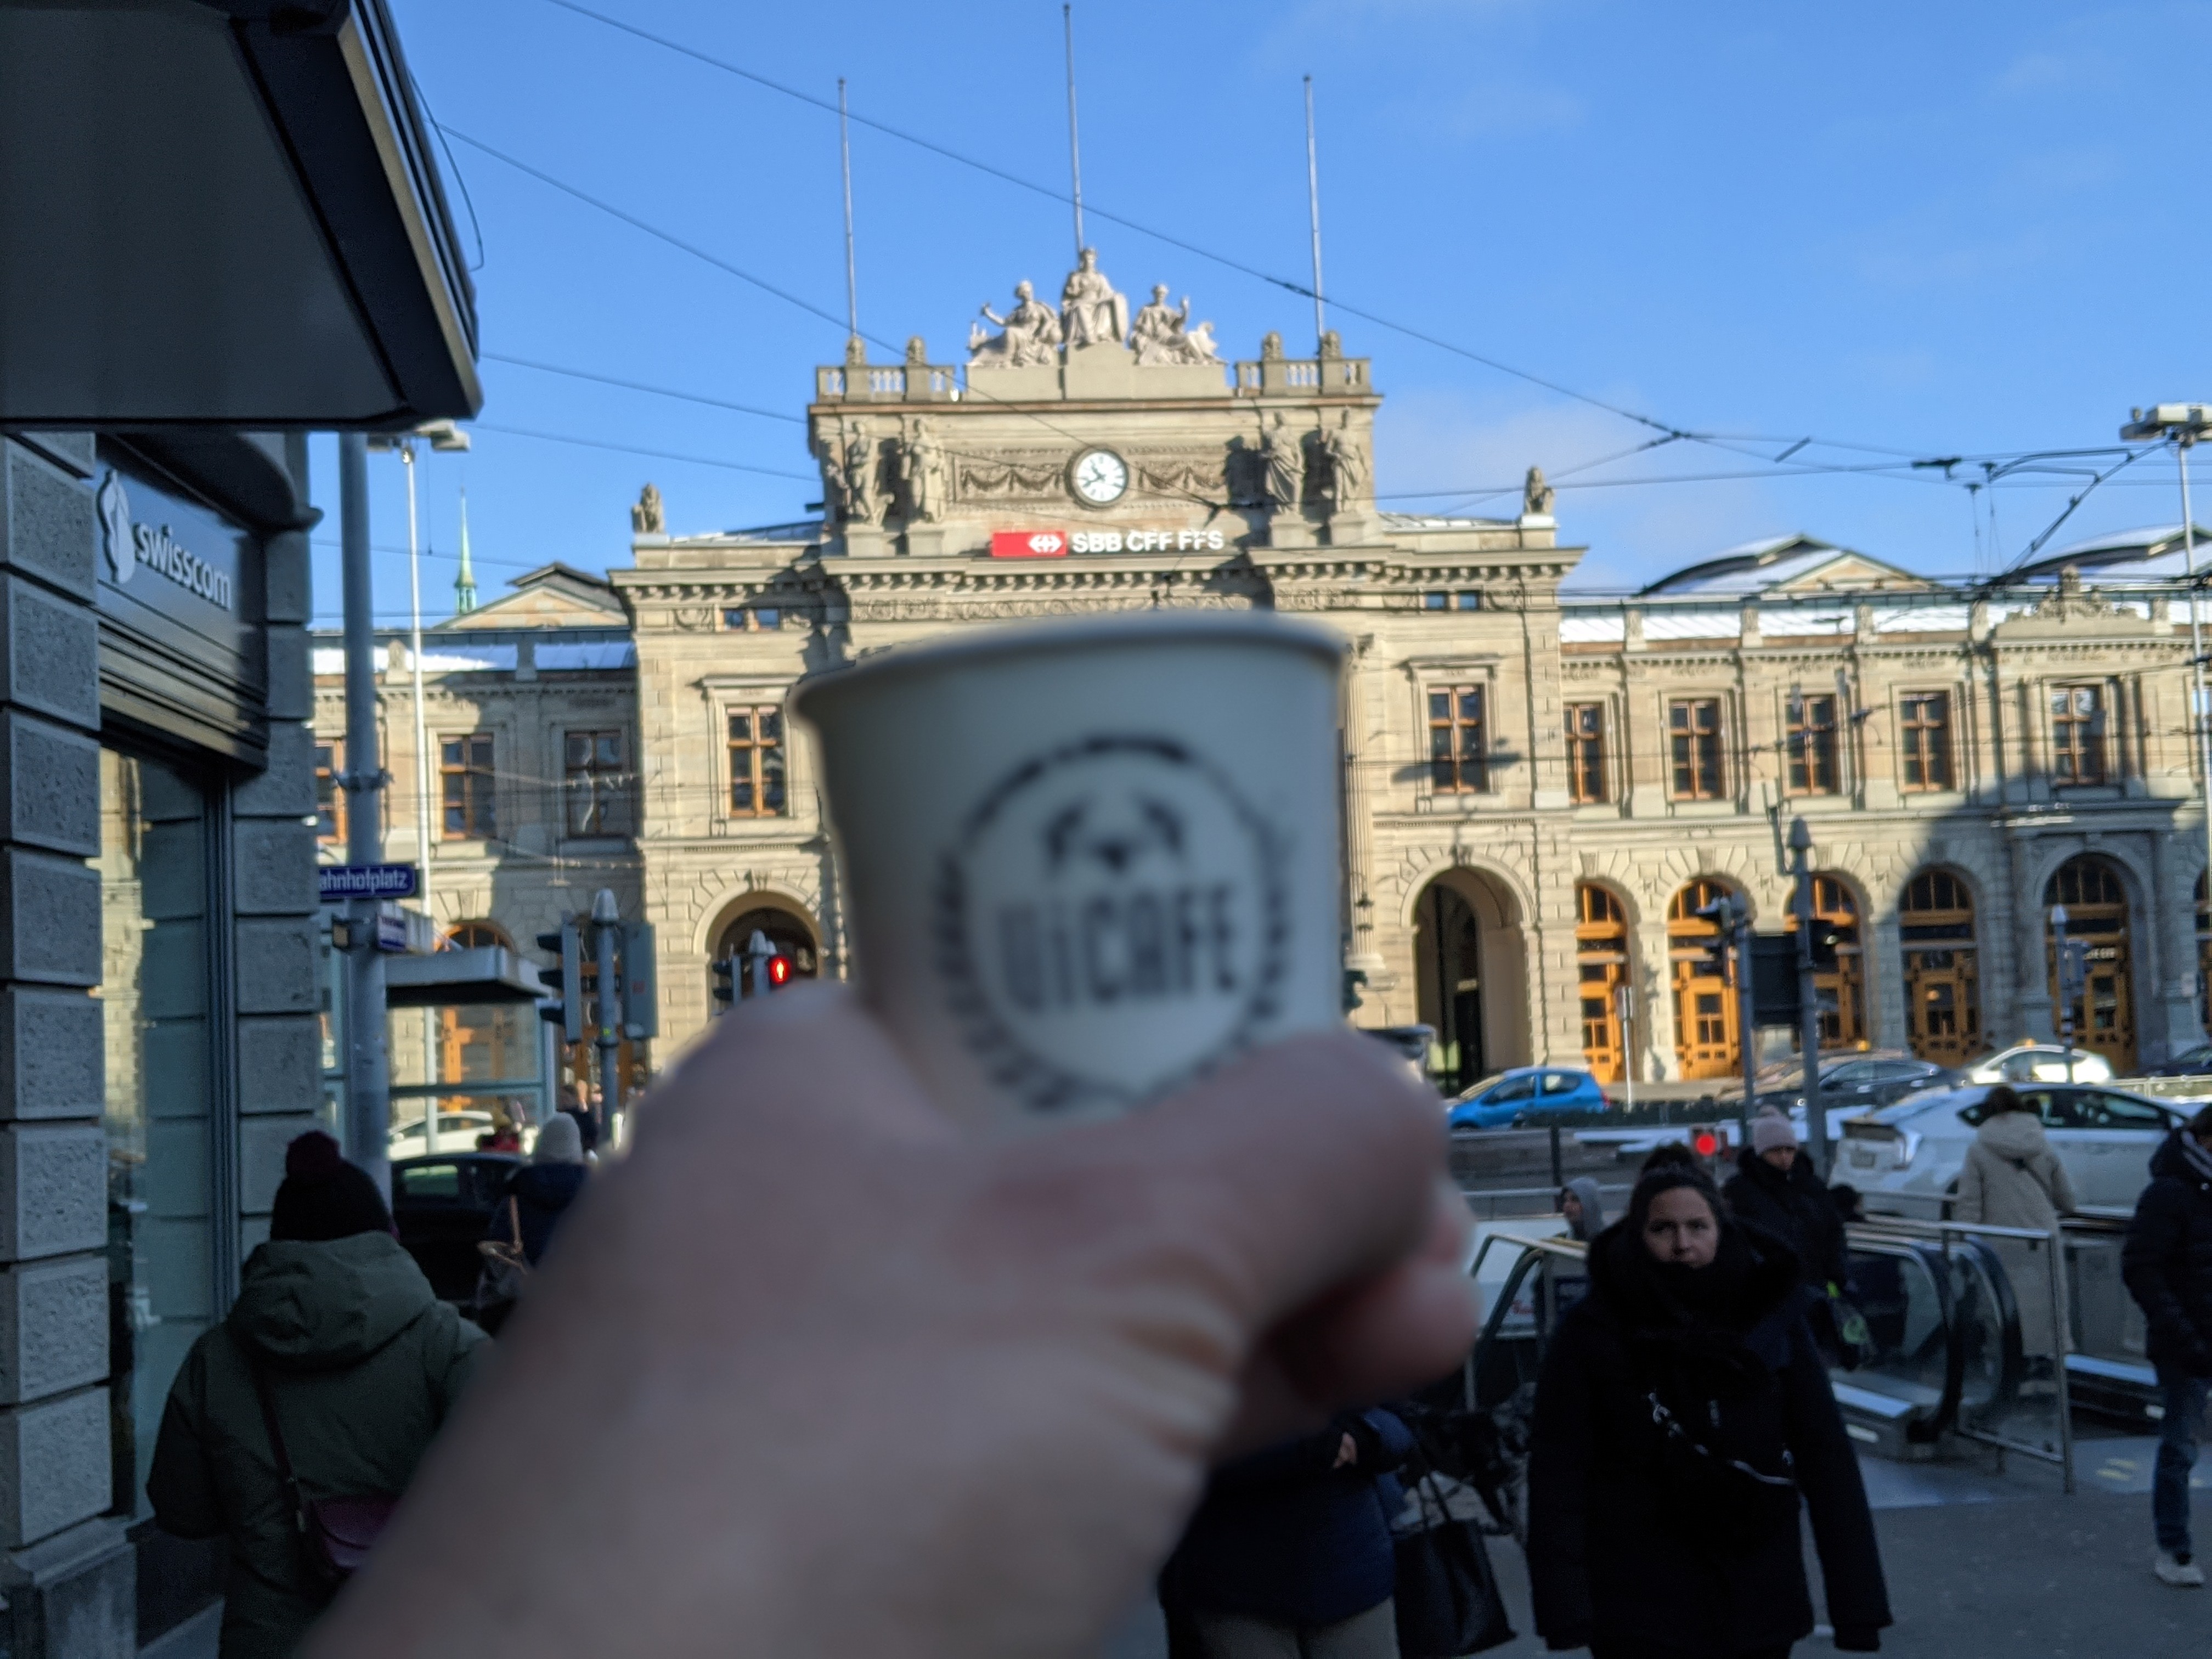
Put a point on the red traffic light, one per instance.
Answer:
(779, 970)
(1705, 1143)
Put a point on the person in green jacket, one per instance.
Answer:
(364, 1363)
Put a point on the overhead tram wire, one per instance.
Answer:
(1225, 261)
(633, 449)
(639, 385)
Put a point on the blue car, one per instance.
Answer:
(1533, 1094)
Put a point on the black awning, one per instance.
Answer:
(222, 213)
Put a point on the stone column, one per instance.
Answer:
(69, 1574)
(1361, 952)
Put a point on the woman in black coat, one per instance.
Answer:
(1775, 1189)
(1681, 1418)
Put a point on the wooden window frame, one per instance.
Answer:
(2077, 736)
(745, 760)
(1469, 770)
(1587, 756)
(1910, 724)
(477, 775)
(592, 791)
(1812, 748)
(1677, 736)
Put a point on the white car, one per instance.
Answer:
(457, 1133)
(1904, 1159)
(2038, 1062)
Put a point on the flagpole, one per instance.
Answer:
(845, 164)
(1075, 145)
(1313, 209)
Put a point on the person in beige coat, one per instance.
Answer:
(2012, 1179)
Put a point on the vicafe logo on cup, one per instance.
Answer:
(1112, 922)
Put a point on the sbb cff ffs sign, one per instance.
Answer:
(1059, 543)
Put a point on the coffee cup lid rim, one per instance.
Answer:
(1025, 640)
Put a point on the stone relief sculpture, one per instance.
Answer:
(860, 461)
(649, 517)
(1349, 472)
(1092, 312)
(923, 461)
(1030, 333)
(1535, 495)
(1161, 333)
(1283, 454)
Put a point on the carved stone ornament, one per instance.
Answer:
(1010, 480)
(1161, 334)
(2070, 600)
(1271, 347)
(649, 517)
(862, 460)
(1090, 311)
(1350, 475)
(917, 353)
(1536, 496)
(921, 459)
(1030, 333)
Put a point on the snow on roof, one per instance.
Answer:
(2140, 555)
(1777, 561)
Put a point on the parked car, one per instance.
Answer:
(457, 1133)
(1918, 1147)
(1852, 1082)
(2190, 1062)
(441, 1206)
(2038, 1062)
(1527, 1094)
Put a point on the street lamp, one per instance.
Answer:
(446, 438)
(2183, 425)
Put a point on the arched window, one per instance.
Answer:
(1706, 1037)
(1943, 990)
(2100, 1014)
(788, 934)
(474, 936)
(1842, 990)
(1601, 959)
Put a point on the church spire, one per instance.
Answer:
(465, 584)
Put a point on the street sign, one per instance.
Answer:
(339, 882)
(391, 928)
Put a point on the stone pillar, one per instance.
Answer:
(2030, 972)
(68, 1575)
(276, 947)
(1361, 951)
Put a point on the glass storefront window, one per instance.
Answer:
(152, 870)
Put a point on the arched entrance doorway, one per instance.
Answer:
(1602, 960)
(1470, 968)
(1842, 990)
(791, 934)
(2103, 1018)
(1706, 1036)
(1942, 990)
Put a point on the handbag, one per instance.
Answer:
(1447, 1600)
(506, 1268)
(335, 1534)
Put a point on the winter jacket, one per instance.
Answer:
(2168, 1260)
(1643, 1541)
(1585, 1188)
(2012, 1177)
(365, 1363)
(1794, 1208)
(542, 1192)
(1286, 1535)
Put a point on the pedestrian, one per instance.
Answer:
(539, 1194)
(360, 1362)
(1584, 1205)
(587, 1129)
(1682, 1415)
(1669, 1155)
(1776, 1189)
(2012, 1179)
(2168, 1265)
(1290, 1556)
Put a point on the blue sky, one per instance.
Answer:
(1926, 230)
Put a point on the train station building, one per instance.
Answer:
(1541, 791)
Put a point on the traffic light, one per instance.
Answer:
(1718, 950)
(1704, 1140)
(640, 1005)
(779, 971)
(725, 983)
(568, 979)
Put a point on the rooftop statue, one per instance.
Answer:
(1161, 335)
(1348, 467)
(1092, 312)
(1031, 333)
(1536, 496)
(649, 517)
(1283, 452)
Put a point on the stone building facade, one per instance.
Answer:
(1540, 790)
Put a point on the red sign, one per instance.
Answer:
(1029, 545)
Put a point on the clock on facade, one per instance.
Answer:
(1099, 476)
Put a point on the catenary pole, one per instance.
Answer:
(2198, 714)
(1075, 145)
(1313, 214)
(368, 1071)
(1809, 1000)
(1747, 1024)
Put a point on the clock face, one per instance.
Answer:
(1099, 476)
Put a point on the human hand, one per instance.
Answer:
(813, 1372)
(1347, 1453)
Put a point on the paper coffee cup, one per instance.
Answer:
(1087, 863)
